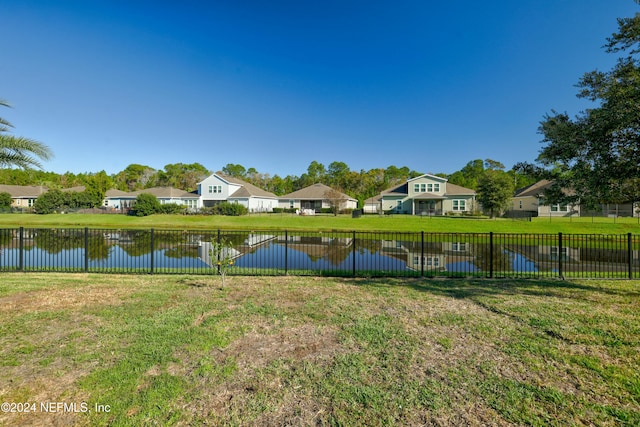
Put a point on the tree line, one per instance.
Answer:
(358, 184)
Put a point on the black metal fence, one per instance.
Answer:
(336, 253)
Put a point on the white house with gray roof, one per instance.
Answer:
(218, 188)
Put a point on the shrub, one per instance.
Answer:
(49, 202)
(172, 208)
(230, 209)
(146, 204)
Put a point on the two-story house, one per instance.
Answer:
(424, 195)
(218, 188)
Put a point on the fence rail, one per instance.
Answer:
(336, 253)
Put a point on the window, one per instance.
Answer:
(419, 188)
(215, 189)
(459, 205)
(291, 204)
(433, 262)
(433, 188)
(520, 204)
(554, 253)
(459, 246)
(559, 208)
(399, 205)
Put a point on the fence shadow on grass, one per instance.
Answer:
(470, 288)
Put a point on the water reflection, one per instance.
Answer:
(313, 252)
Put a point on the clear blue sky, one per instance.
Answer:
(277, 84)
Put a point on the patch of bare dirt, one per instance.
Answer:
(62, 299)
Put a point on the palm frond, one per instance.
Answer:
(22, 152)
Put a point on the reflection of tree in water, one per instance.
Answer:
(373, 246)
(98, 247)
(6, 237)
(56, 240)
(136, 243)
(338, 251)
(184, 251)
(502, 260)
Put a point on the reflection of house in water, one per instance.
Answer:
(583, 259)
(430, 256)
(332, 249)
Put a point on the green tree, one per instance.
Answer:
(146, 204)
(5, 202)
(20, 151)
(495, 189)
(234, 170)
(181, 175)
(134, 177)
(469, 175)
(598, 151)
(49, 202)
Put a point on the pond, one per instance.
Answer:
(303, 253)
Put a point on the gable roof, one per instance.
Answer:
(534, 190)
(247, 189)
(26, 191)
(313, 192)
(428, 175)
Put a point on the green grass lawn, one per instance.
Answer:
(406, 223)
(169, 350)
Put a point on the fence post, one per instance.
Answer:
(152, 246)
(21, 255)
(286, 252)
(491, 254)
(86, 249)
(422, 254)
(630, 254)
(560, 255)
(353, 242)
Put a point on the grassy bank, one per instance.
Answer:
(166, 350)
(403, 223)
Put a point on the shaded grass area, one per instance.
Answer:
(179, 350)
(399, 223)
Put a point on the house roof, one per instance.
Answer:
(247, 189)
(535, 189)
(77, 189)
(116, 193)
(166, 193)
(457, 190)
(20, 191)
(428, 175)
(398, 190)
(313, 192)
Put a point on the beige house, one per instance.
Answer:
(23, 196)
(531, 200)
(424, 195)
(316, 197)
